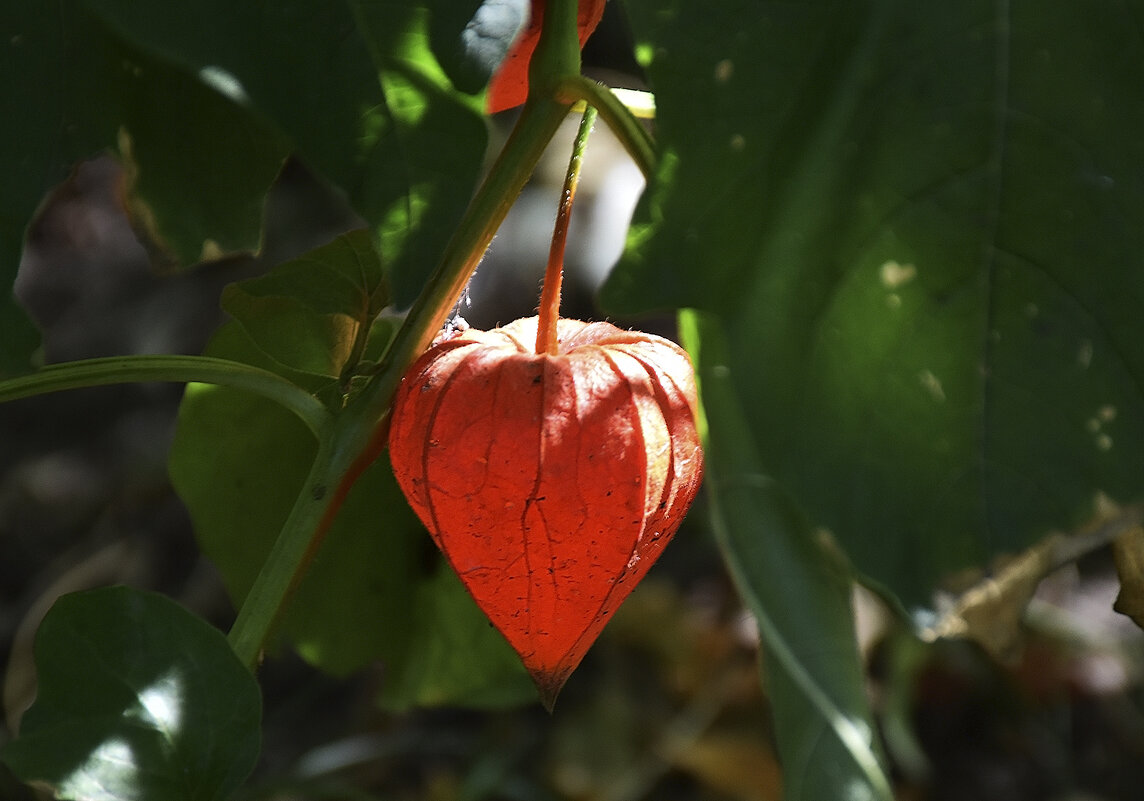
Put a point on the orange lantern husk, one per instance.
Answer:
(551, 482)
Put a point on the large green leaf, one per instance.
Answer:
(920, 226)
(30, 159)
(137, 699)
(373, 592)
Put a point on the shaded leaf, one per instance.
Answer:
(204, 102)
(454, 657)
(338, 617)
(137, 699)
(32, 162)
(799, 590)
(919, 226)
(356, 91)
(313, 313)
(199, 163)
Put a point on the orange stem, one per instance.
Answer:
(546, 336)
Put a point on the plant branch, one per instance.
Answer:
(546, 336)
(175, 369)
(286, 562)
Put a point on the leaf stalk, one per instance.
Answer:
(174, 369)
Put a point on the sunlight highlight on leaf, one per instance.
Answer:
(163, 703)
(109, 774)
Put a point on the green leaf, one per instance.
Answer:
(798, 588)
(29, 159)
(433, 153)
(313, 313)
(237, 513)
(137, 699)
(920, 228)
(198, 163)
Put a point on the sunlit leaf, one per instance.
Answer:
(138, 700)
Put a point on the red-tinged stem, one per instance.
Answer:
(546, 337)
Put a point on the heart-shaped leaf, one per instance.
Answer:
(138, 700)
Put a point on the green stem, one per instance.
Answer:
(632, 135)
(557, 54)
(176, 369)
(286, 561)
(348, 450)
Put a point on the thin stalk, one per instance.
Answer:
(546, 335)
(174, 369)
(632, 135)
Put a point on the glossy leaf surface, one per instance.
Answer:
(920, 229)
(138, 700)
